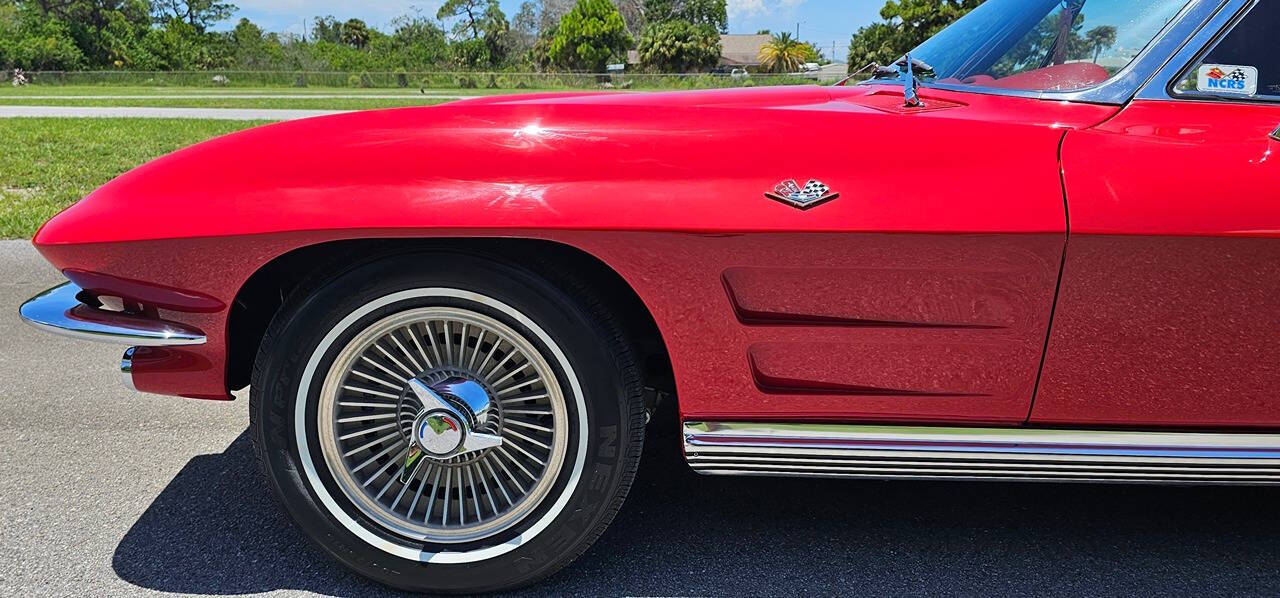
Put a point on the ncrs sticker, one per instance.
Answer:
(1226, 78)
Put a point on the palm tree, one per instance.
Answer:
(355, 33)
(782, 54)
(1100, 37)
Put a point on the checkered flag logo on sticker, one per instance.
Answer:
(813, 193)
(1227, 79)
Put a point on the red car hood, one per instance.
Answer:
(651, 161)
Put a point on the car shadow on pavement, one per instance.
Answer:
(216, 530)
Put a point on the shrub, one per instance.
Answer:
(589, 35)
(679, 47)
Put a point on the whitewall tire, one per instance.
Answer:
(447, 422)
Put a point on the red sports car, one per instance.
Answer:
(1041, 246)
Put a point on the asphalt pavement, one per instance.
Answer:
(107, 492)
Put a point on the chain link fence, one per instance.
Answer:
(421, 80)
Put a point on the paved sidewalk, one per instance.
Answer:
(139, 112)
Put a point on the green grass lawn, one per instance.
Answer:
(48, 163)
(301, 102)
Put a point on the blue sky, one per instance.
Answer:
(823, 22)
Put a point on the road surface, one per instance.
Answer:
(107, 492)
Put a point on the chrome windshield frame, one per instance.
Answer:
(1119, 89)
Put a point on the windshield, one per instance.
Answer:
(1044, 45)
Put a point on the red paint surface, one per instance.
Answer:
(964, 202)
(1169, 312)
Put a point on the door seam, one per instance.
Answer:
(1057, 288)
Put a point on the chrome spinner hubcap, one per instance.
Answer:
(438, 434)
(442, 424)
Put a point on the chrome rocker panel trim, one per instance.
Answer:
(1024, 454)
(59, 311)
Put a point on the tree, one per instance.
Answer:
(906, 24)
(589, 35)
(470, 12)
(481, 31)
(549, 14)
(811, 53)
(524, 28)
(200, 14)
(877, 42)
(783, 54)
(496, 33)
(355, 34)
(678, 47)
(418, 42)
(326, 29)
(709, 13)
(103, 30)
(28, 41)
(632, 14)
(254, 50)
(1100, 38)
(179, 46)
(1051, 42)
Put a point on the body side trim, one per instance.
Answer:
(831, 450)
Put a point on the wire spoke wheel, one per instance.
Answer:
(447, 422)
(370, 422)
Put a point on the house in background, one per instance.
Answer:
(829, 72)
(741, 51)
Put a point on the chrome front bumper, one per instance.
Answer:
(57, 310)
(60, 311)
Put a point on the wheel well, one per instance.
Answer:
(266, 290)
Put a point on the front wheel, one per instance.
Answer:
(447, 423)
